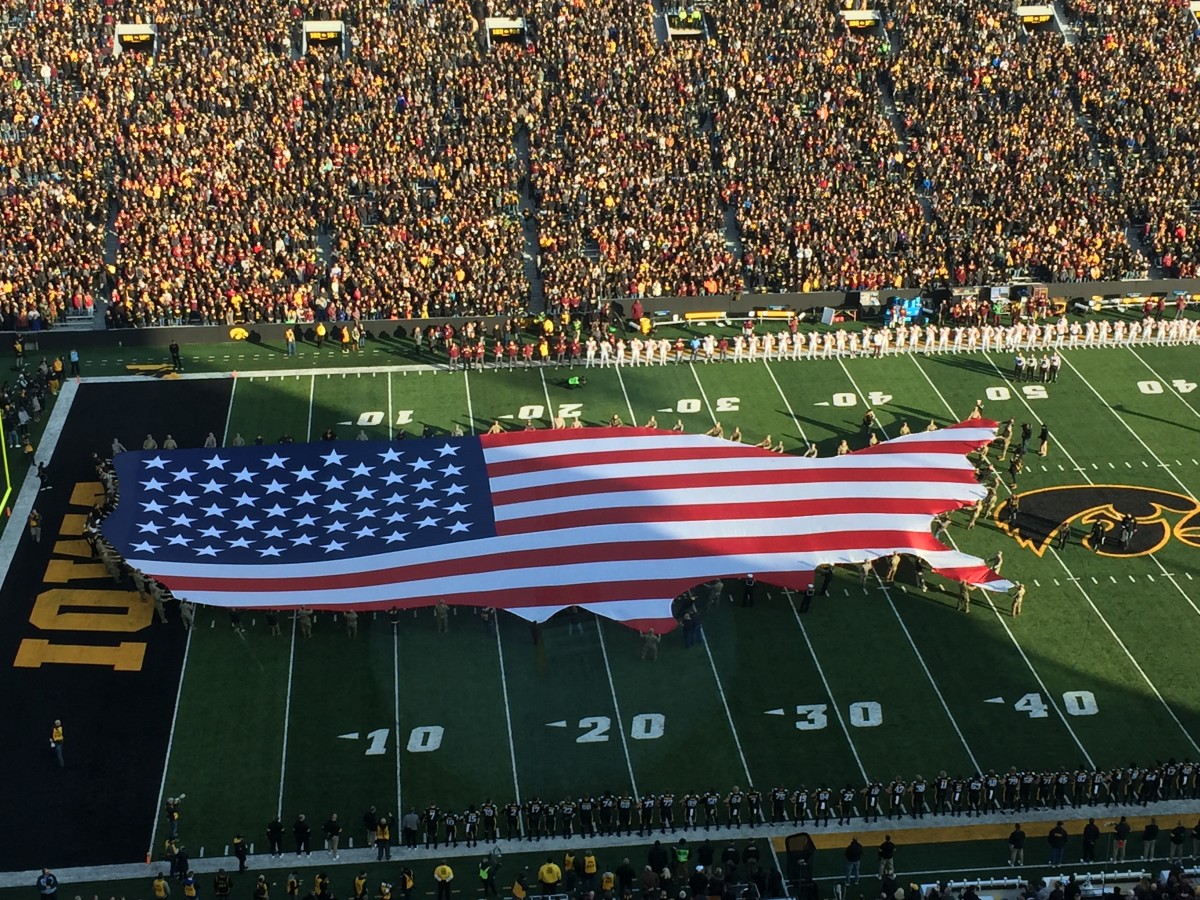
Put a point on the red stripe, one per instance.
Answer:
(834, 541)
(598, 592)
(730, 478)
(700, 512)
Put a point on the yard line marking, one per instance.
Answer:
(1182, 399)
(390, 420)
(887, 593)
(825, 681)
(229, 413)
(287, 713)
(787, 403)
(396, 710)
(162, 785)
(999, 618)
(616, 707)
(312, 390)
(725, 703)
(470, 410)
(546, 392)
(696, 375)
(512, 750)
(632, 417)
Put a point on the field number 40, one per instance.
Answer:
(1076, 703)
(1156, 387)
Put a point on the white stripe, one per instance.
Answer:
(619, 610)
(690, 570)
(732, 495)
(772, 462)
(616, 443)
(709, 529)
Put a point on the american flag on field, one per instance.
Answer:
(619, 521)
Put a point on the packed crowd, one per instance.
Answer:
(244, 181)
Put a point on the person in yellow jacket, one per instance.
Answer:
(589, 870)
(383, 840)
(292, 887)
(262, 890)
(360, 886)
(189, 885)
(443, 875)
(161, 889)
(549, 877)
(320, 335)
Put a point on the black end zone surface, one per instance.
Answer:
(100, 808)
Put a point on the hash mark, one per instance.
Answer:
(1128, 466)
(1060, 468)
(1111, 466)
(1131, 578)
(1112, 579)
(1056, 583)
(1036, 583)
(1189, 576)
(1094, 581)
(1094, 466)
(1148, 575)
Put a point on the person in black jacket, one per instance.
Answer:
(854, 854)
(301, 832)
(1091, 834)
(275, 837)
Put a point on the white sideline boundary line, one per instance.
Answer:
(616, 707)
(26, 495)
(162, 785)
(187, 648)
(987, 595)
(1086, 596)
(903, 627)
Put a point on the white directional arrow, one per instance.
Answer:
(668, 409)
(775, 712)
(822, 403)
(507, 417)
(561, 723)
(345, 423)
(994, 700)
(349, 736)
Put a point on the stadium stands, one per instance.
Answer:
(227, 177)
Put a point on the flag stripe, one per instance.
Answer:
(901, 513)
(667, 474)
(625, 519)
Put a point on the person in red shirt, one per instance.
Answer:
(498, 357)
(480, 352)
(527, 355)
(560, 348)
(575, 351)
(512, 354)
(454, 354)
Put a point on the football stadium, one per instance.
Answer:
(601, 450)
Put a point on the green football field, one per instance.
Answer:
(872, 682)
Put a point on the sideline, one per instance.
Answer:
(26, 497)
(930, 830)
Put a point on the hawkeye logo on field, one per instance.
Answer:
(1160, 514)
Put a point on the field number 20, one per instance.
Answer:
(642, 727)
(1076, 703)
